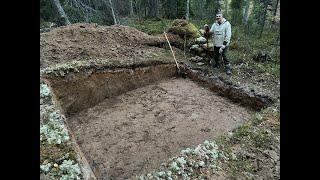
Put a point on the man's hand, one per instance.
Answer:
(221, 49)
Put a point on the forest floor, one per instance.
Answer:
(250, 151)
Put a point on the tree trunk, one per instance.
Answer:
(175, 8)
(278, 38)
(116, 11)
(153, 7)
(264, 17)
(138, 10)
(246, 12)
(117, 16)
(201, 9)
(187, 10)
(169, 9)
(275, 13)
(62, 15)
(113, 13)
(131, 7)
(218, 6)
(276, 8)
(226, 7)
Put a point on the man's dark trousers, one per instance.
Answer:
(217, 55)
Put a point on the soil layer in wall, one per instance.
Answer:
(80, 90)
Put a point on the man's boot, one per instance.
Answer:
(228, 69)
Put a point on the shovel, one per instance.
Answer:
(179, 73)
(206, 28)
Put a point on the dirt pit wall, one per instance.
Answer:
(76, 91)
(223, 87)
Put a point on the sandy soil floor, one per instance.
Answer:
(135, 132)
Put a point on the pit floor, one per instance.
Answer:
(135, 132)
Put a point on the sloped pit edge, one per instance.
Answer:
(223, 87)
(78, 89)
(88, 173)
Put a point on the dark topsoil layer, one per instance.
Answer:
(135, 132)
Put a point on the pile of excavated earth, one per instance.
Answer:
(83, 42)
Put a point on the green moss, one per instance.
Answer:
(148, 26)
(261, 139)
(182, 27)
(56, 152)
(242, 165)
(193, 29)
(46, 24)
(241, 132)
(154, 27)
(257, 119)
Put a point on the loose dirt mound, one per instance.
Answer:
(90, 41)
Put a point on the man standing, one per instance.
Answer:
(221, 33)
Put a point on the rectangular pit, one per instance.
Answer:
(128, 120)
(135, 132)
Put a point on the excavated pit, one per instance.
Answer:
(128, 120)
(135, 132)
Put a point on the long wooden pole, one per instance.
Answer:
(171, 50)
